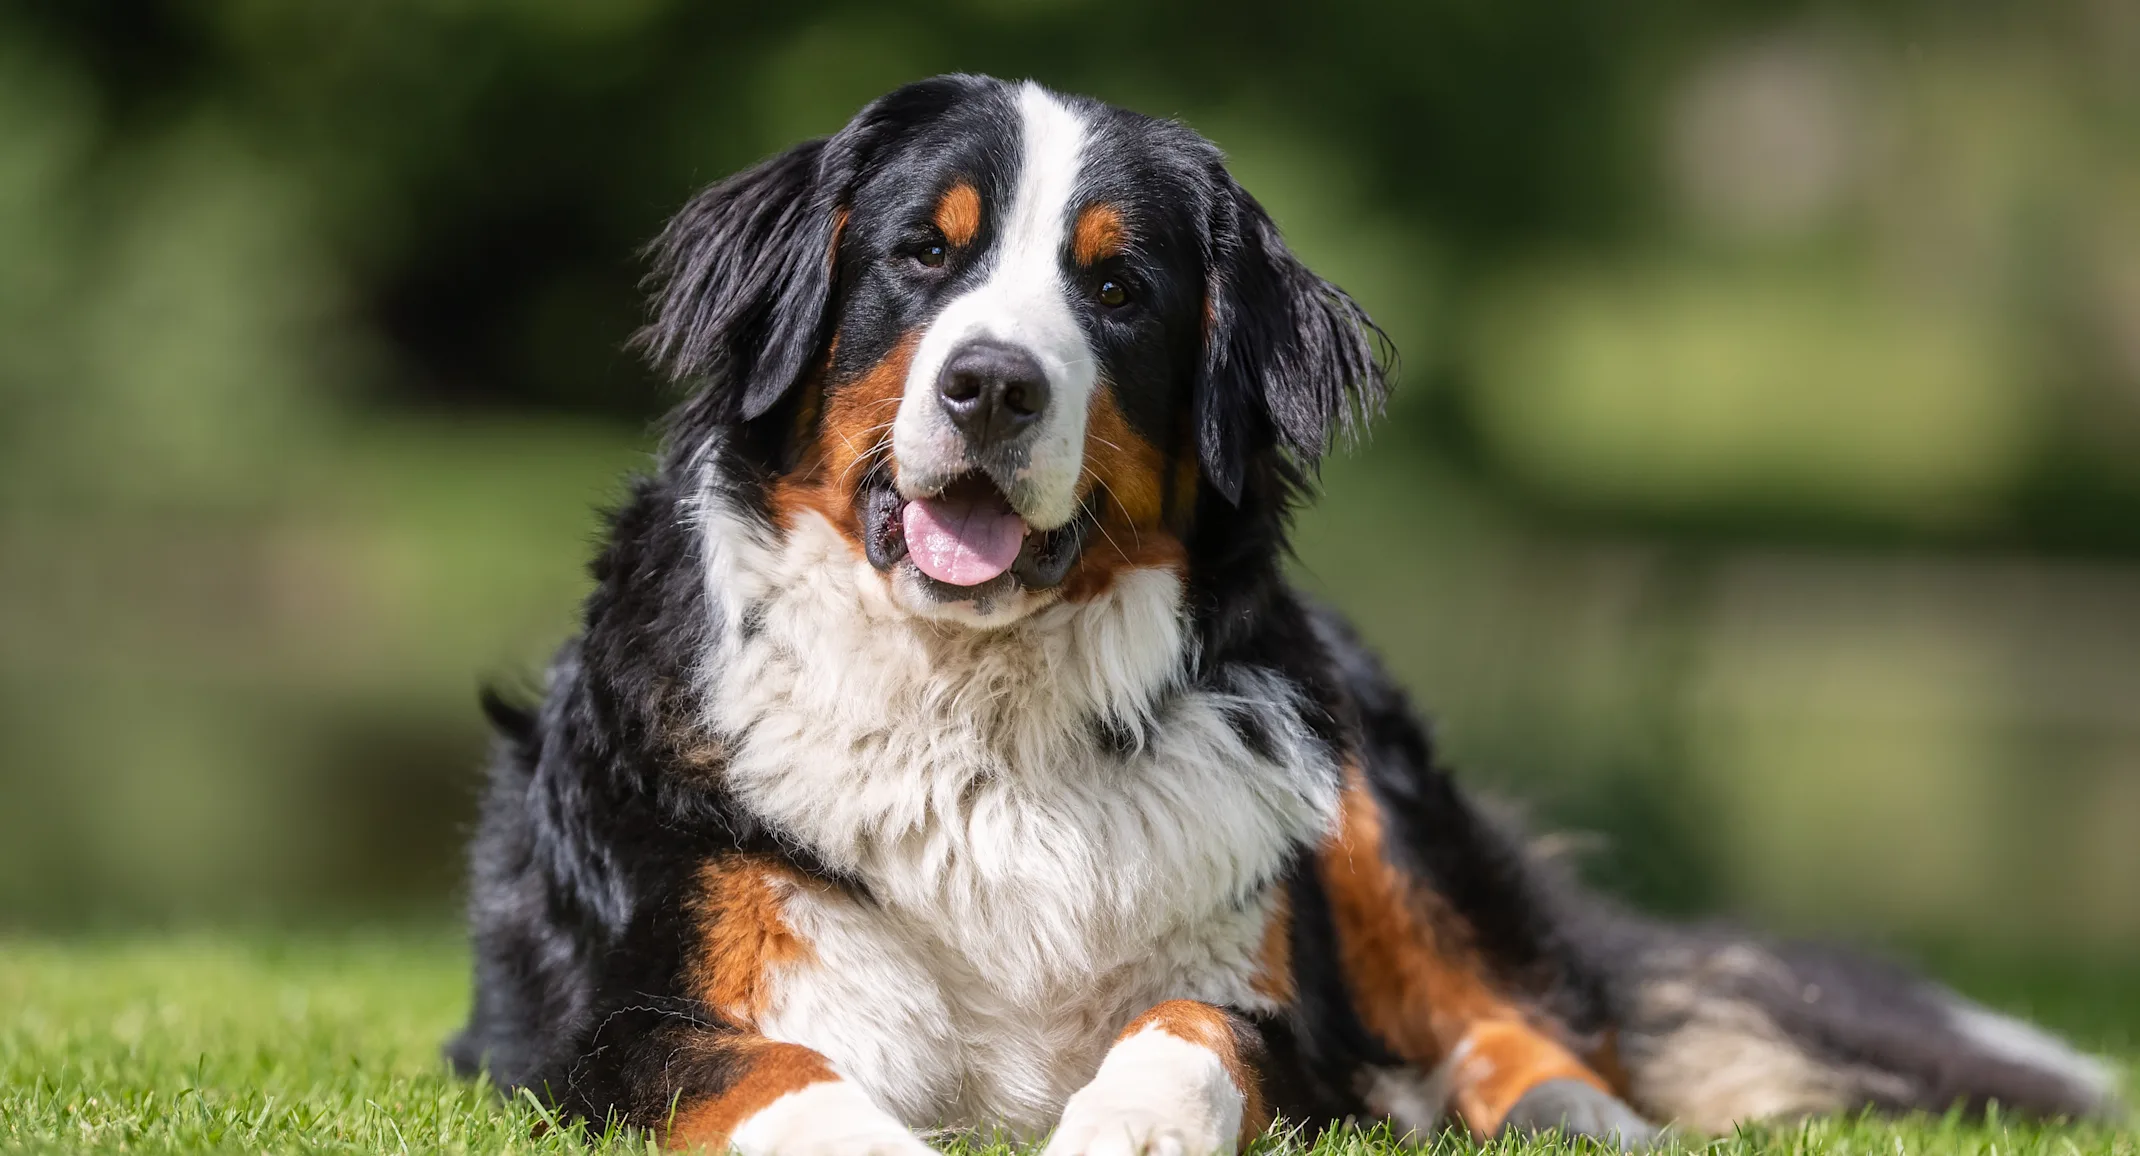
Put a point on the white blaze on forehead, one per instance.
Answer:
(1023, 299)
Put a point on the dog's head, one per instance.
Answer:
(1008, 343)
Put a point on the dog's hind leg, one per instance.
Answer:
(1447, 928)
(1492, 1055)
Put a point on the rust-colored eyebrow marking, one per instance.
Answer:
(1100, 234)
(958, 214)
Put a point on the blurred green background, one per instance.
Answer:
(1760, 504)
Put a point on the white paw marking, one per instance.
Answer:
(833, 1118)
(1156, 1095)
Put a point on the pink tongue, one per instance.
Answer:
(961, 541)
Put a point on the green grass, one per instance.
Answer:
(264, 1043)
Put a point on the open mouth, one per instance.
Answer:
(966, 537)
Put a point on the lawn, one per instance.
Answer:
(330, 1043)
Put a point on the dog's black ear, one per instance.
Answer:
(740, 280)
(743, 276)
(1290, 361)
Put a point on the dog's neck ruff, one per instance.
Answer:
(967, 777)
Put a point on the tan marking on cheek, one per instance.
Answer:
(858, 415)
(1127, 469)
(851, 438)
(771, 1070)
(741, 937)
(1207, 1027)
(958, 214)
(1131, 531)
(1099, 234)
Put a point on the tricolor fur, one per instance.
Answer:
(944, 748)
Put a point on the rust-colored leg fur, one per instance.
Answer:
(707, 1079)
(742, 1092)
(1423, 990)
(1228, 1038)
(761, 1072)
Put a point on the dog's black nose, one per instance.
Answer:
(993, 392)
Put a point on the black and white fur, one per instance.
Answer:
(1017, 821)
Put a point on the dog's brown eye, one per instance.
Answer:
(931, 256)
(1112, 294)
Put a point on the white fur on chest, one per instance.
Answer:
(943, 1041)
(1030, 889)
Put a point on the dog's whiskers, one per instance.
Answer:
(1136, 537)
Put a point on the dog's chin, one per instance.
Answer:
(998, 602)
(1027, 585)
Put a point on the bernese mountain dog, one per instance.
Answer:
(944, 748)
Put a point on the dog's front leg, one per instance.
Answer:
(1181, 1080)
(720, 1090)
(788, 1102)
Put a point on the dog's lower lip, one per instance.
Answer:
(879, 509)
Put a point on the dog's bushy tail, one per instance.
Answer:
(1714, 1027)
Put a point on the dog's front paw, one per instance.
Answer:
(1575, 1108)
(1134, 1131)
(1155, 1096)
(833, 1118)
